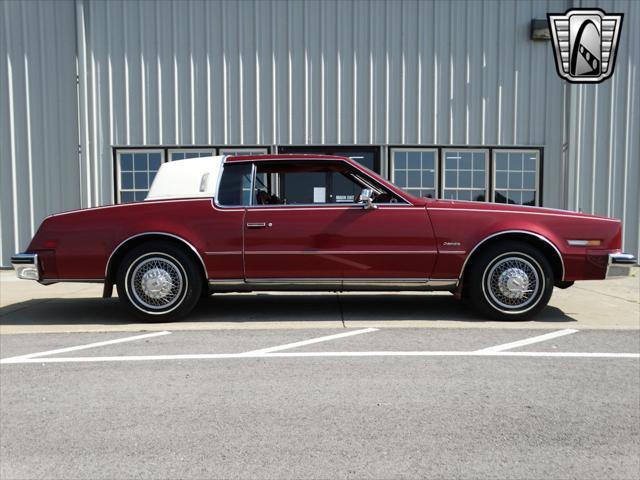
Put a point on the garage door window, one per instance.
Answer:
(136, 171)
(516, 177)
(415, 171)
(465, 175)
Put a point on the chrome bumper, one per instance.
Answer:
(26, 266)
(620, 264)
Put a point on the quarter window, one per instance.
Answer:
(465, 175)
(516, 177)
(414, 171)
(235, 185)
(136, 171)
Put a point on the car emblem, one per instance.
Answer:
(585, 42)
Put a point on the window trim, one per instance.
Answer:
(117, 170)
(537, 189)
(435, 150)
(487, 168)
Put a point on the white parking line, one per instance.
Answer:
(83, 347)
(207, 356)
(527, 341)
(309, 342)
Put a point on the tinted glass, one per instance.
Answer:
(234, 185)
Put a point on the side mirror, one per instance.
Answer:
(366, 198)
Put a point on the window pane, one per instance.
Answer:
(478, 179)
(413, 161)
(126, 162)
(465, 161)
(451, 160)
(401, 178)
(428, 178)
(141, 179)
(478, 196)
(451, 179)
(530, 162)
(515, 180)
(502, 161)
(126, 197)
(428, 160)
(515, 161)
(464, 195)
(501, 179)
(140, 161)
(236, 180)
(501, 196)
(464, 179)
(126, 180)
(154, 161)
(478, 161)
(528, 198)
(400, 160)
(140, 196)
(413, 178)
(529, 180)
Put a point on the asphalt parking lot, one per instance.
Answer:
(319, 386)
(354, 403)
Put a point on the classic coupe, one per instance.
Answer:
(315, 223)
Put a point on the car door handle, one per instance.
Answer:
(259, 224)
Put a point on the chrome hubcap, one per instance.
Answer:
(156, 283)
(512, 283)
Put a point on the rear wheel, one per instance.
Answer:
(159, 282)
(510, 281)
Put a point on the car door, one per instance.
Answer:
(325, 235)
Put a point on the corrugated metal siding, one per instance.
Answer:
(604, 134)
(298, 72)
(38, 118)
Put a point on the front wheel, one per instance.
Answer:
(159, 282)
(510, 281)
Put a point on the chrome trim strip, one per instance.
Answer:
(505, 232)
(339, 252)
(204, 268)
(339, 283)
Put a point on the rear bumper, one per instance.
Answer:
(26, 266)
(620, 264)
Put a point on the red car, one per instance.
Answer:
(310, 222)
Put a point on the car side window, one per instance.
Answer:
(306, 183)
(235, 185)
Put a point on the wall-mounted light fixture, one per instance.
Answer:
(540, 29)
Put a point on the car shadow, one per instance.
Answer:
(265, 307)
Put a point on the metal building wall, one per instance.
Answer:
(603, 168)
(38, 118)
(299, 72)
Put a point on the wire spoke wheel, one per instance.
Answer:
(513, 282)
(157, 283)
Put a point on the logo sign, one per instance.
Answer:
(585, 44)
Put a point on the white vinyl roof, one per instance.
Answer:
(193, 177)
